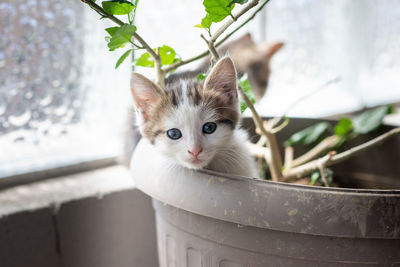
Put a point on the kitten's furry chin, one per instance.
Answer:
(195, 164)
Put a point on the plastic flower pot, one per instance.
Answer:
(227, 220)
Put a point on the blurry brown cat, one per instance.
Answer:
(249, 57)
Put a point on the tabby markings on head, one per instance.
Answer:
(217, 95)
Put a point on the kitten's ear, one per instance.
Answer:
(270, 49)
(145, 93)
(223, 78)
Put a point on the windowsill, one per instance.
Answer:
(54, 192)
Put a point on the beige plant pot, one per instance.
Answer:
(226, 220)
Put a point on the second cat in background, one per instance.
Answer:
(248, 56)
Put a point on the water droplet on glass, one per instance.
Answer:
(28, 95)
(47, 100)
(21, 119)
(19, 139)
(60, 110)
(56, 83)
(56, 130)
(13, 92)
(2, 108)
(2, 104)
(76, 103)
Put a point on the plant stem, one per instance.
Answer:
(275, 161)
(326, 144)
(211, 48)
(184, 62)
(157, 65)
(333, 158)
(231, 20)
(289, 151)
(258, 151)
(243, 23)
(136, 36)
(323, 176)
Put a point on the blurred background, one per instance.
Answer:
(63, 104)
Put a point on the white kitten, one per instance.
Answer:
(195, 125)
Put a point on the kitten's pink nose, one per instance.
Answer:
(195, 151)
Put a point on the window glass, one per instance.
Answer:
(61, 101)
(357, 42)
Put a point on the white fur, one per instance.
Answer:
(223, 151)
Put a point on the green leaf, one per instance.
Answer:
(370, 120)
(316, 176)
(343, 126)
(201, 77)
(245, 84)
(112, 30)
(117, 7)
(205, 22)
(217, 10)
(123, 57)
(144, 60)
(167, 55)
(121, 36)
(238, 2)
(309, 135)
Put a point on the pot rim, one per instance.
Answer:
(267, 204)
(313, 187)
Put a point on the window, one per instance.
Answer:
(357, 42)
(61, 101)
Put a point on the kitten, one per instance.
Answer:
(249, 57)
(195, 124)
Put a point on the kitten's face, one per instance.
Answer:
(193, 134)
(189, 122)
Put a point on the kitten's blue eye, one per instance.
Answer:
(174, 134)
(209, 127)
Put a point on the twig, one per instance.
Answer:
(275, 161)
(323, 176)
(243, 24)
(289, 151)
(326, 144)
(261, 141)
(212, 49)
(331, 159)
(184, 62)
(307, 168)
(269, 124)
(363, 147)
(102, 12)
(232, 19)
(157, 65)
(258, 151)
(281, 126)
